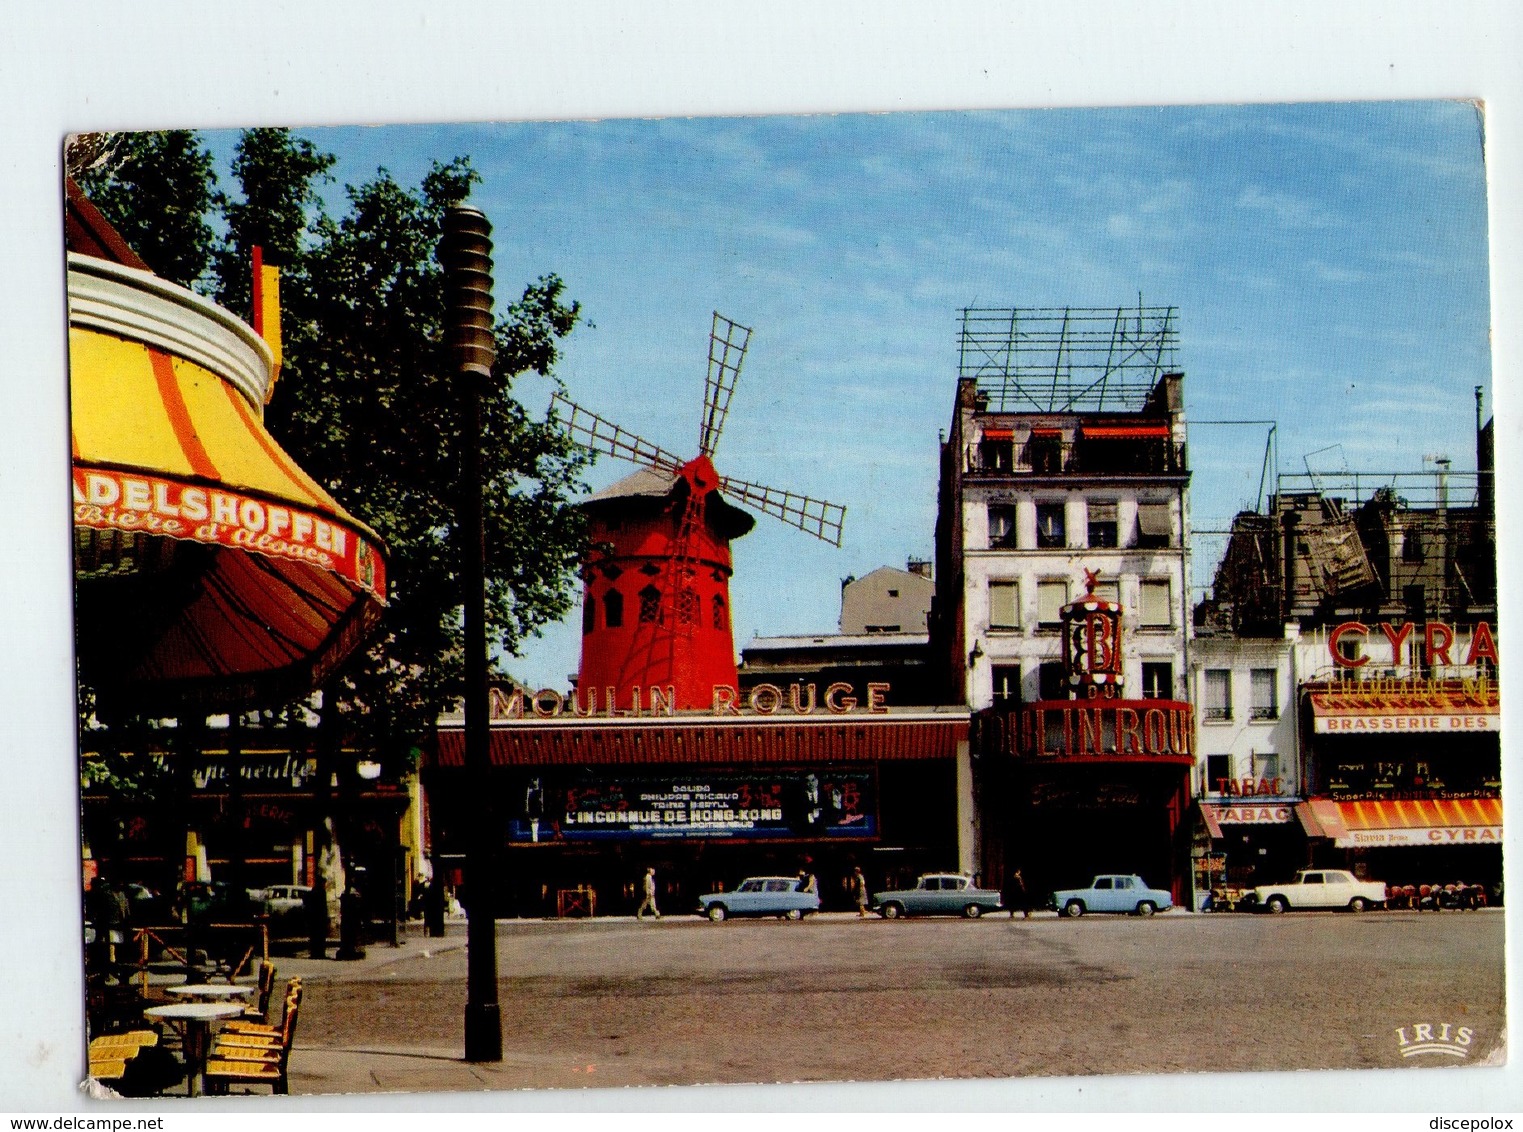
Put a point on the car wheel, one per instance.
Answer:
(794, 914)
(1358, 904)
(717, 912)
(1146, 908)
(1073, 909)
(1278, 904)
(891, 911)
(973, 911)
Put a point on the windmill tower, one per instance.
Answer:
(656, 593)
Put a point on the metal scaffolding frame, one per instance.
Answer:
(1067, 359)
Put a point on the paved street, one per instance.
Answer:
(614, 1002)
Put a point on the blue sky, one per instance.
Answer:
(1328, 262)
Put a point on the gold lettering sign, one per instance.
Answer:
(764, 699)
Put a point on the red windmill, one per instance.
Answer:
(656, 598)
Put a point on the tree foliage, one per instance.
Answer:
(367, 401)
(157, 190)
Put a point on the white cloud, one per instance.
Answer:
(1288, 210)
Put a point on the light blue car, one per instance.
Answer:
(1112, 893)
(760, 896)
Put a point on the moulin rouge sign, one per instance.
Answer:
(636, 702)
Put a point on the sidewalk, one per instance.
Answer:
(397, 1067)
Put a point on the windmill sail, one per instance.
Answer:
(656, 603)
(602, 435)
(812, 516)
(727, 352)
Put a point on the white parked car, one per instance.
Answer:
(281, 900)
(1321, 888)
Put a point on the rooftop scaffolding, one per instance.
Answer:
(1067, 359)
(1415, 491)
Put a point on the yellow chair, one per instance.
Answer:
(264, 1028)
(108, 1069)
(254, 1059)
(110, 1053)
(260, 1013)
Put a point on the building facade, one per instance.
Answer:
(1064, 474)
(1384, 588)
(1247, 765)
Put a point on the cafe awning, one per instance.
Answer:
(1421, 821)
(210, 569)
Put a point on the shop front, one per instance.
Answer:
(213, 578)
(1406, 778)
(582, 806)
(1077, 789)
(1097, 783)
(1249, 839)
(253, 818)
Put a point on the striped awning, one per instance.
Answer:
(210, 568)
(1423, 821)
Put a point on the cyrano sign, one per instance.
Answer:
(1437, 643)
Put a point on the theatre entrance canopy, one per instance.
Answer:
(210, 570)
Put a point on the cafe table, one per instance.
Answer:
(194, 1020)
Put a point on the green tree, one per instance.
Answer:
(157, 190)
(367, 403)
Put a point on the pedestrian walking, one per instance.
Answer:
(1015, 897)
(857, 888)
(650, 895)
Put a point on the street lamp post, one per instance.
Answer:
(465, 252)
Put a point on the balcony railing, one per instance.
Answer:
(1082, 457)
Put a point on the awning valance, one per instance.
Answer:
(1355, 711)
(211, 569)
(1423, 821)
(717, 741)
(1250, 811)
(999, 434)
(1125, 432)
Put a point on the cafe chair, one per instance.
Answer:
(251, 1027)
(249, 1059)
(110, 1053)
(260, 1011)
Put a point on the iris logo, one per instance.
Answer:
(1442, 1040)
